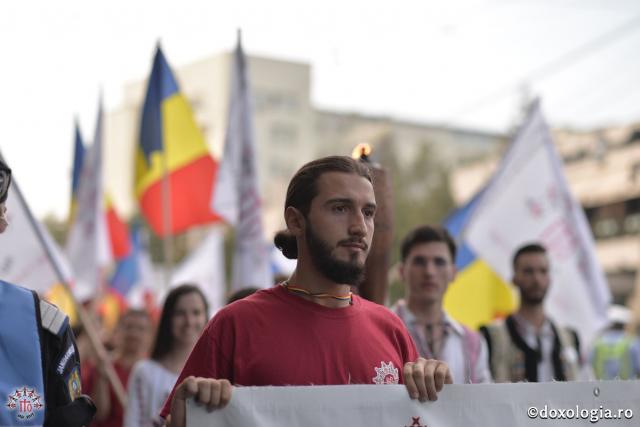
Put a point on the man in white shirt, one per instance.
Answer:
(427, 267)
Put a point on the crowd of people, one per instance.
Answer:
(333, 335)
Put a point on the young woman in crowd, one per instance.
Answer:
(183, 318)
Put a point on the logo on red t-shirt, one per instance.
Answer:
(386, 374)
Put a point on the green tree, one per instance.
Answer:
(57, 228)
(421, 192)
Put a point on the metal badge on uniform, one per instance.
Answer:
(73, 383)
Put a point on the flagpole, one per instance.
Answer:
(85, 319)
(167, 241)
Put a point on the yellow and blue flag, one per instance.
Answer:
(477, 295)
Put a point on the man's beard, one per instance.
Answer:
(532, 298)
(338, 271)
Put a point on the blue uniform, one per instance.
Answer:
(39, 363)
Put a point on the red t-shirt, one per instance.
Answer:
(117, 413)
(276, 338)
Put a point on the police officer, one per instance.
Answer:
(616, 354)
(39, 361)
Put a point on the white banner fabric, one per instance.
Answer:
(611, 403)
(88, 244)
(529, 200)
(204, 267)
(24, 259)
(236, 194)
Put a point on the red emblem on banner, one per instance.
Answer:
(416, 422)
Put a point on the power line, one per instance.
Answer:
(609, 85)
(552, 66)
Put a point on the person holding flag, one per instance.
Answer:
(131, 341)
(39, 359)
(332, 336)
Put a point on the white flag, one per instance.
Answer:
(235, 195)
(204, 267)
(148, 278)
(25, 244)
(88, 244)
(527, 200)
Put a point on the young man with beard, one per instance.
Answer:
(427, 267)
(310, 330)
(527, 345)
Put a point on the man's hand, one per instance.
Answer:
(211, 393)
(424, 378)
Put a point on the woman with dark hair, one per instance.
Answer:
(184, 315)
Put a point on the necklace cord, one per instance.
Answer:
(294, 289)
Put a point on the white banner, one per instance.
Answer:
(236, 195)
(611, 403)
(88, 245)
(24, 259)
(529, 200)
(204, 267)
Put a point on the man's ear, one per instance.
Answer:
(295, 221)
(401, 270)
(513, 281)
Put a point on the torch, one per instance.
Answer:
(376, 283)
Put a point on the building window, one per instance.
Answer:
(606, 227)
(275, 101)
(635, 137)
(632, 223)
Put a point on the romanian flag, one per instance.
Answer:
(477, 295)
(127, 272)
(118, 231)
(172, 146)
(133, 278)
(78, 159)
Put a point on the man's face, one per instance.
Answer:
(427, 272)
(339, 227)
(135, 332)
(531, 276)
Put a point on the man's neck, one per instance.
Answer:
(534, 314)
(312, 281)
(428, 313)
(128, 358)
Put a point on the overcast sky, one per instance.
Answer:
(452, 61)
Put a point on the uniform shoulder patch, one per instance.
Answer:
(73, 384)
(52, 318)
